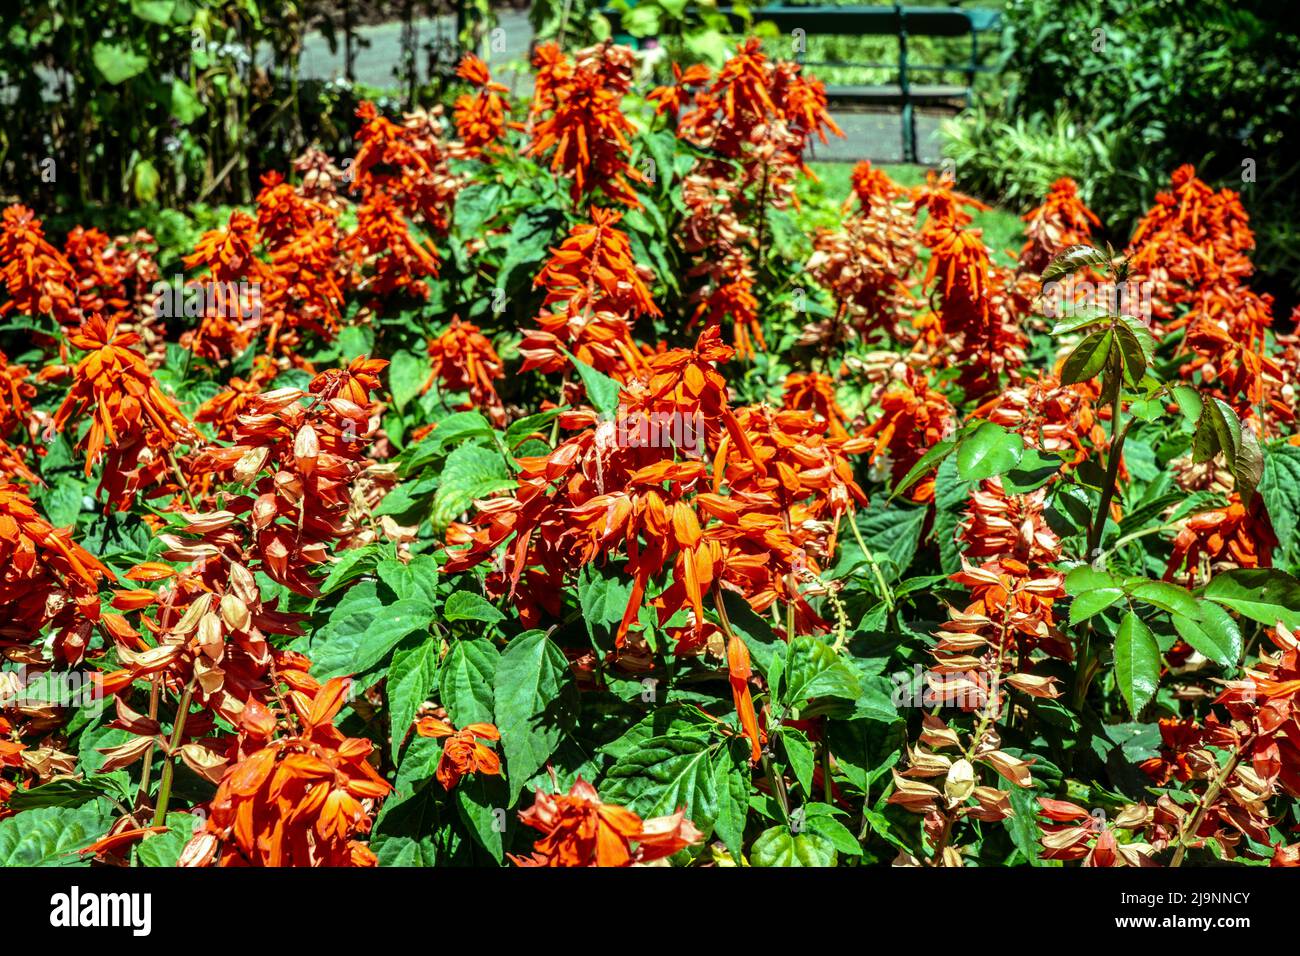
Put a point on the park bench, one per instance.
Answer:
(894, 20)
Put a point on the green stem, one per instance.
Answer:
(826, 767)
(1135, 535)
(1086, 665)
(142, 795)
(169, 765)
(1117, 436)
(778, 786)
(1193, 823)
(886, 594)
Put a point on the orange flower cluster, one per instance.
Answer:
(751, 110)
(211, 626)
(301, 461)
(11, 756)
(1072, 833)
(403, 176)
(868, 264)
(464, 360)
(297, 799)
(724, 245)
(230, 297)
(222, 410)
(130, 417)
(399, 261)
(47, 580)
(755, 119)
(1054, 418)
(462, 750)
(578, 830)
(1008, 555)
(872, 186)
(15, 392)
(1226, 335)
(913, 419)
(480, 117)
(1013, 589)
(962, 796)
(1193, 247)
(1259, 733)
(613, 488)
(1222, 539)
(787, 492)
(594, 292)
(115, 278)
(633, 478)
(638, 486)
(301, 239)
(39, 279)
(1060, 222)
(980, 304)
(815, 392)
(408, 163)
(1190, 239)
(577, 118)
(15, 412)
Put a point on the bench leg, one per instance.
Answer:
(909, 133)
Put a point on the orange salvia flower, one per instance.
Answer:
(38, 278)
(480, 117)
(582, 125)
(130, 415)
(739, 672)
(1060, 222)
(464, 360)
(462, 750)
(298, 800)
(46, 579)
(579, 830)
(594, 291)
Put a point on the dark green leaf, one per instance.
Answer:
(1073, 259)
(465, 681)
(469, 606)
(1137, 662)
(665, 775)
(779, 847)
(1033, 471)
(471, 472)
(412, 676)
(51, 836)
(931, 459)
(989, 450)
(602, 391)
(532, 688)
(359, 636)
(1266, 595)
(1166, 596)
(1088, 358)
(1213, 632)
(1280, 489)
(1081, 320)
(1093, 602)
(1131, 352)
(799, 755)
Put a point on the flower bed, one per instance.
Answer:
(552, 486)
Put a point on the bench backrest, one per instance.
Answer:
(872, 20)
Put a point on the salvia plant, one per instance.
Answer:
(568, 482)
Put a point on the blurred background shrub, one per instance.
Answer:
(1117, 94)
